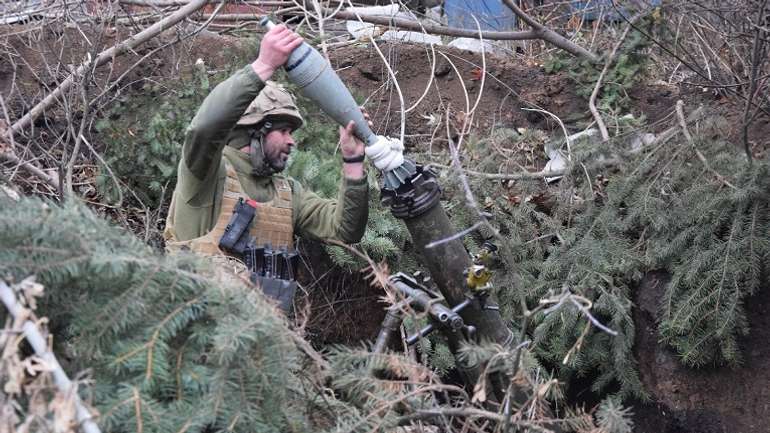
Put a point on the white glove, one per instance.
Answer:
(387, 153)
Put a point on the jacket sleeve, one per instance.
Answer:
(207, 133)
(343, 219)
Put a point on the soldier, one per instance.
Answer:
(236, 146)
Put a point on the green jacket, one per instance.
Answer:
(197, 198)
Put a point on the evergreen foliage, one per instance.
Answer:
(621, 77)
(716, 244)
(660, 210)
(382, 386)
(613, 418)
(143, 136)
(172, 343)
(175, 343)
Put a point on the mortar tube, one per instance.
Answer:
(418, 203)
(446, 263)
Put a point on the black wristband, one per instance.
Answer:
(354, 159)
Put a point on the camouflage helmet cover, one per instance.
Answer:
(273, 102)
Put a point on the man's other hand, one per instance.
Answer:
(274, 50)
(352, 147)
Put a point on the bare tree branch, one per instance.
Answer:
(107, 55)
(56, 95)
(36, 171)
(758, 57)
(544, 33)
(549, 35)
(592, 100)
(166, 3)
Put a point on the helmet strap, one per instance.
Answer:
(260, 166)
(257, 154)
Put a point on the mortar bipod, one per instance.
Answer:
(420, 298)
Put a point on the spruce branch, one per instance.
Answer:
(688, 137)
(190, 350)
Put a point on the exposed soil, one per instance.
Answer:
(718, 400)
(344, 309)
(32, 65)
(510, 88)
(335, 307)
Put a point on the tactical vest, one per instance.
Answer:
(273, 222)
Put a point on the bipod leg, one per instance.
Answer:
(390, 326)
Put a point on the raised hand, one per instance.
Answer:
(274, 50)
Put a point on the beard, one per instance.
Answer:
(277, 163)
(263, 164)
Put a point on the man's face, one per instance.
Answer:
(277, 146)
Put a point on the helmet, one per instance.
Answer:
(275, 104)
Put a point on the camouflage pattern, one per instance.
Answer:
(274, 102)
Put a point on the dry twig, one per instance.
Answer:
(40, 346)
(701, 157)
(104, 57)
(598, 86)
(758, 58)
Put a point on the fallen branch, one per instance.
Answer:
(544, 33)
(49, 180)
(472, 412)
(8, 153)
(757, 59)
(39, 345)
(671, 132)
(535, 175)
(166, 3)
(549, 35)
(104, 57)
(256, 16)
(526, 175)
(592, 100)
